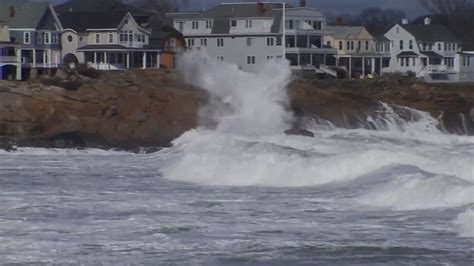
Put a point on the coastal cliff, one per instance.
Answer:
(139, 108)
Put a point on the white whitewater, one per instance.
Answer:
(404, 163)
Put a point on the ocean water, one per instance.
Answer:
(243, 193)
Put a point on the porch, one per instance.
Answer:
(121, 59)
(363, 65)
(10, 65)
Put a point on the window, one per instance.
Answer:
(209, 24)
(270, 41)
(97, 38)
(233, 23)
(181, 26)
(449, 61)
(248, 24)
(123, 36)
(366, 45)
(410, 44)
(317, 25)
(111, 38)
(398, 30)
(439, 46)
(348, 45)
(402, 61)
(250, 41)
(190, 42)
(431, 47)
(328, 44)
(352, 45)
(69, 38)
(401, 44)
(279, 41)
(414, 61)
(195, 25)
(220, 42)
(220, 58)
(26, 37)
(270, 57)
(387, 47)
(359, 44)
(204, 42)
(250, 60)
(55, 38)
(424, 46)
(445, 46)
(81, 39)
(47, 38)
(289, 24)
(340, 45)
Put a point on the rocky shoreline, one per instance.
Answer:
(149, 109)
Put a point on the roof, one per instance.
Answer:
(98, 47)
(81, 21)
(345, 32)
(430, 33)
(99, 6)
(223, 13)
(407, 54)
(431, 54)
(381, 38)
(27, 15)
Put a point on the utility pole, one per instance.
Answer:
(284, 30)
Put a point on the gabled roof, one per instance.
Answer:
(223, 13)
(99, 6)
(81, 21)
(345, 32)
(430, 33)
(26, 15)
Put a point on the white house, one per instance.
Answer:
(428, 51)
(464, 66)
(107, 41)
(249, 34)
(10, 59)
(358, 51)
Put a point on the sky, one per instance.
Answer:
(411, 7)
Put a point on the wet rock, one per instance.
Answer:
(300, 132)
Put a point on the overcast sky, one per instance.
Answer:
(411, 7)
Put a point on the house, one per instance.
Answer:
(36, 28)
(250, 34)
(10, 59)
(107, 41)
(358, 52)
(170, 43)
(427, 51)
(464, 66)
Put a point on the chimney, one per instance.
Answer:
(260, 9)
(339, 21)
(302, 3)
(427, 21)
(12, 11)
(404, 21)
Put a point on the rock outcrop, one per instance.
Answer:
(123, 110)
(151, 108)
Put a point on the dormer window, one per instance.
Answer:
(195, 25)
(209, 24)
(233, 23)
(97, 38)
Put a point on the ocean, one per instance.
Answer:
(243, 193)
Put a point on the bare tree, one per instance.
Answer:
(447, 7)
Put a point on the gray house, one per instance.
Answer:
(107, 41)
(252, 33)
(36, 28)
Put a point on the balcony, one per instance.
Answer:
(9, 59)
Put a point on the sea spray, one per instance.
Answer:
(241, 103)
